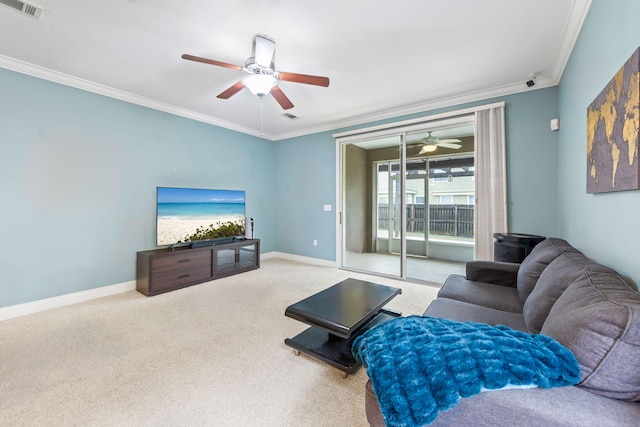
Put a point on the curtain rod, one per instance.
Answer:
(419, 120)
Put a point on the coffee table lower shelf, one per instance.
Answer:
(334, 350)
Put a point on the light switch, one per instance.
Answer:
(327, 208)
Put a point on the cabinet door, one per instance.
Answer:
(224, 260)
(247, 256)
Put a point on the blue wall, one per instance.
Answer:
(306, 176)
(78, 173)
(602, 225)
(306, 181)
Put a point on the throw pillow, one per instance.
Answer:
(535, 263)
(553, 281)
(598, 318)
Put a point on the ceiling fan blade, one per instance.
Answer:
(449, 140)
(264, 50)
(448, 144)
(282, 99)
(304, 78)
(231, 91)
(211, 62)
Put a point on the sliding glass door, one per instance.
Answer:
(388, 207)
(391, 186)
(417, 220)
(371, 201)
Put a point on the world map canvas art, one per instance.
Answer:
(613, 126)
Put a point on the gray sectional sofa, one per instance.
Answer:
(559, 292)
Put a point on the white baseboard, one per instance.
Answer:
(300, 258)
(76, 297)
(62, 300)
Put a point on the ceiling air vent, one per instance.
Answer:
(291, 116)
(24, 8)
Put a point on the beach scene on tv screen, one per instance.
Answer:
(181, 212)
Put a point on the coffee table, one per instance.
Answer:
(337, 316)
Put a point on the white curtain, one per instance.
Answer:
(491, 194)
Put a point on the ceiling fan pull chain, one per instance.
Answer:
(261, 116)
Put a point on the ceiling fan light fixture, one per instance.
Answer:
(259, 84)
(428, 149)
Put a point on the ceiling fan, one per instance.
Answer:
(431, 143)
(262, 77)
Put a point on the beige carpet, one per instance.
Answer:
(212, 354)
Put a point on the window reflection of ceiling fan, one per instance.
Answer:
(431, 144)
(262, 78)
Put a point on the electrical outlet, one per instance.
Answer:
(315, 243)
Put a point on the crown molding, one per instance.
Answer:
(579, 11)
(577, 15)
(575, 21)
(75, 82)
(86, 85)
(543, 82)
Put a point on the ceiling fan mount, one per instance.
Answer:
(252, 67)
(262, 77)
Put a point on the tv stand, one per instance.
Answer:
(167, 269)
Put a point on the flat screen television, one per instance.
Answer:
(195, 215)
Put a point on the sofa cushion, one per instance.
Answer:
(598, 318)
(465, 312)
(548, 407)
(553, 281)
(534, 264)
(480, 293)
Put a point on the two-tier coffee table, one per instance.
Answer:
(337, 316)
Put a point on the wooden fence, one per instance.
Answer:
(447, 220)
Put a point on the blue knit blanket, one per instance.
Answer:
(419, 366)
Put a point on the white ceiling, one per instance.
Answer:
(384, 58)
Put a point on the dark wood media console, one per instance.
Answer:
(164, 270)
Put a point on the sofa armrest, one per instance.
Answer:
(494, 272)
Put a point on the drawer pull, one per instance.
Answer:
(184, 276)
(184, 260)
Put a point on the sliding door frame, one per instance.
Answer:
(401, 133)
(443, 120)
